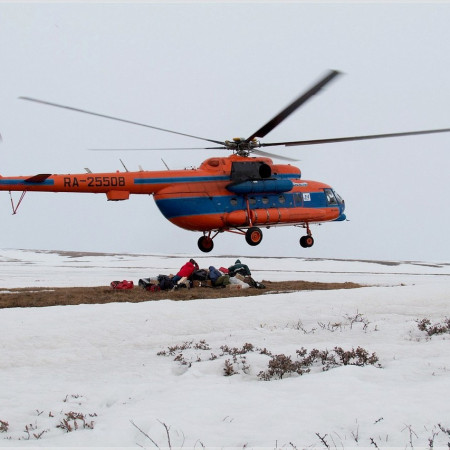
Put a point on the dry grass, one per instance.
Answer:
(37, 297)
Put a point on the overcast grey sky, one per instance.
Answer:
(222, 70)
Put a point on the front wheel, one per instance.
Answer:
(205, 244)
(253, 236)
(306, 241)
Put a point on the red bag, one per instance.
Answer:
(122, 284)
(223, 270)
(153, 288)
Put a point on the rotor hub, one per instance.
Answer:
(242, 146)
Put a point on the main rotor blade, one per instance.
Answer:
(152, 149)
(269, 126)
(118, 119)
(274, 155)
(355, 138)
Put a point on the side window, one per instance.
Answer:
(298, 199)
(331, 199)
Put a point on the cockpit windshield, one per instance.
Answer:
(339, 198)
(331, 199)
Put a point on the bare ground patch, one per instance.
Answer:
(37, 297)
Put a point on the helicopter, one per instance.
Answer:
(238, 193)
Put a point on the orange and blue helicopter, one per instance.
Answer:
(238, 193)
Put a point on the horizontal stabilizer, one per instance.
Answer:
(40, 178)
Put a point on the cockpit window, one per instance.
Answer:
(331, 199)
(339, 198)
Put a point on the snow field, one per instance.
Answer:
(103, 360)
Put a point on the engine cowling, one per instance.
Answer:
(261, 187)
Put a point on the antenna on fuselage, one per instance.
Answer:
(124, 166)
(167, 167)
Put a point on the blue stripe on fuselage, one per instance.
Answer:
(200, 205)
(194, 179)
(169, 180)
(26, 183)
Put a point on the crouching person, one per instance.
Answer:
(218, 279)
(184, 274)
(239, 270)
(242, 272)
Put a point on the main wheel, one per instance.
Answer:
(306, 241)
(205, 244)
(253, 236)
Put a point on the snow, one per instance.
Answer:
(102, 360)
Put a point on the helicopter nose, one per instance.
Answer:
(341, 216)
(341, 203)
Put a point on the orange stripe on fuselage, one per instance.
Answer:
(260, 217)
(184, 181)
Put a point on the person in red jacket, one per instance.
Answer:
(186, 271)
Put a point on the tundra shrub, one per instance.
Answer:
(75, 420)
(228, 369)
(437, 328)
(280, 365)
(3, 426)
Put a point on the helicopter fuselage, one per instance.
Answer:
(223, 194)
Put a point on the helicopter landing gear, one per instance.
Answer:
(253, 236)
(306, 241)
(205, 244)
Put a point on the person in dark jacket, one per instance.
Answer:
(239, 268)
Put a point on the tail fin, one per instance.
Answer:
(40, 178)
